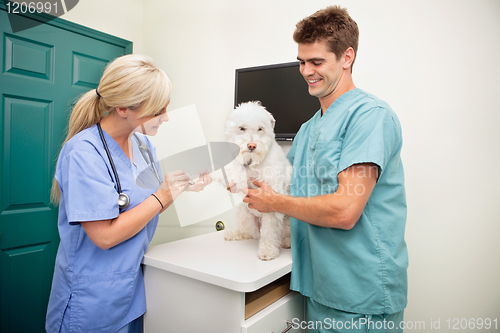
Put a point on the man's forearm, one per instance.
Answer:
(330, 210)
(341, 209)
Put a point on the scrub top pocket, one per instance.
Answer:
(326, 161)
(100, 302)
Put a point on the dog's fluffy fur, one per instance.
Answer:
(251, 127)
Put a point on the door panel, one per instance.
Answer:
(26, 124)
(87, 70)
(44, 70)
(28, 57)
(27, 280)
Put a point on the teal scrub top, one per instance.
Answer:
(362, 270)
(96, 290)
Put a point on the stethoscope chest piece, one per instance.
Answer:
(123, 200)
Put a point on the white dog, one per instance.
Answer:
(251, 127)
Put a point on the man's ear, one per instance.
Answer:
(122, 111)
(349, 56)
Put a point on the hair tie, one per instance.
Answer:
(97, 93)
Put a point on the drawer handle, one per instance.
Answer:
(289, 327)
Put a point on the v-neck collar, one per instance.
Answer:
(340, 101)
(320, 119)
(114, 148)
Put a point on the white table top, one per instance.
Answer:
(209, 258)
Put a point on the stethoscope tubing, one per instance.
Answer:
(109, 158)
(143, 148)
(123, 199)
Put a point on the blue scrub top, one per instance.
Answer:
(96, 290)
(362, 270)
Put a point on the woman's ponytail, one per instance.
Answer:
(86, 113)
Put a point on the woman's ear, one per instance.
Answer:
(122, 111)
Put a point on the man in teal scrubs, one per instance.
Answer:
(347, 198)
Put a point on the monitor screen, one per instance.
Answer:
(282, 91)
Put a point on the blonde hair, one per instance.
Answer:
(131, 81)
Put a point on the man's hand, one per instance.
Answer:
(263, 199)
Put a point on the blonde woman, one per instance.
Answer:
(98, 283)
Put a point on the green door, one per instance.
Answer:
(43, 70)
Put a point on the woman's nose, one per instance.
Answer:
(164, 118)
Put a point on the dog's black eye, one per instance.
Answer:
(242, 128)
(260, 129)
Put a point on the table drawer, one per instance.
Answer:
(274, 318)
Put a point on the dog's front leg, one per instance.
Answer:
(271, 236)
(246, 227)
(286, 242)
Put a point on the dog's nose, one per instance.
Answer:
(251, 146)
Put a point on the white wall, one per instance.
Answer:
(435, 62)
(120, 18)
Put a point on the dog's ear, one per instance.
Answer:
(273, 121)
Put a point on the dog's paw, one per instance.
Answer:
(232, 235)
(286, 243)
(268, 253)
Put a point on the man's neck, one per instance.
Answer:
(344, 86)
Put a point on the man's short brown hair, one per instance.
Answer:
(332, 25)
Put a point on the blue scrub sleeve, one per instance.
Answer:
(87, 187)
(291, 153)
(372, 136)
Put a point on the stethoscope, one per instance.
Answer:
(124, 199)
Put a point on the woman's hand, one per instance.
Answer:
(108, 233)
(204, 180)
(172, 186)
(176, 182)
